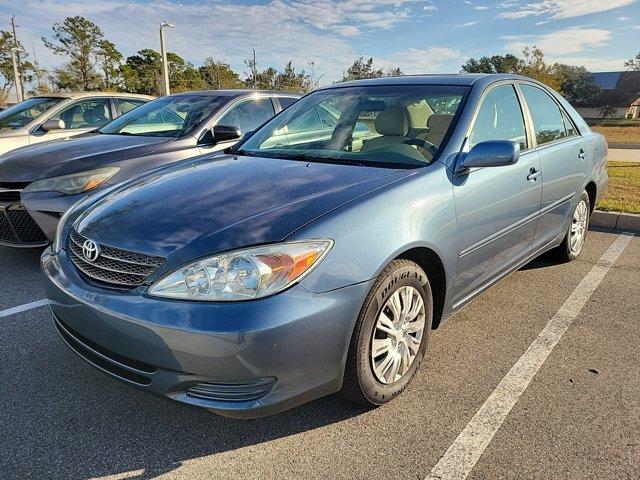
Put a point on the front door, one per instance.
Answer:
(497, 207)
(79, 117)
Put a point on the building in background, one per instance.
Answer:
(620, 96)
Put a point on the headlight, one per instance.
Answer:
(74, 183)
(243, 274)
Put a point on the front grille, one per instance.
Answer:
(122, 367)
(18, 228)
(9, 195)
(114, 266)
(232, 392)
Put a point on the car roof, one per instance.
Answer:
(76, 95)
(462, 79)
(238, 93)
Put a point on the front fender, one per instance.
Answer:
(417, 211)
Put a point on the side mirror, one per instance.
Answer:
(225, 133)
(492, 153)
(53, 124)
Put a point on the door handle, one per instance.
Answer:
(533, 174)
(582, 154)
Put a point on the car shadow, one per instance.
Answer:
(66, 420)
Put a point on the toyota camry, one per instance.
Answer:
(317, 255)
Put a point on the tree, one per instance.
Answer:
(607, 111)
(362, 68)
(577, 85)
(7, 78)
(142, 73)
(109, 60)
(290, 81)
(534, 66)
(496, 64)
(218, 75)
(633, 63)
(83, 43)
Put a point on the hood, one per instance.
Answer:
(225, 202)
(61, 157)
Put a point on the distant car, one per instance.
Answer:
(61, 115)
(39, 183)
(286, 270)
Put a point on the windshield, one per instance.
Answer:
(387, 125)
(167, 117)
(24, 112)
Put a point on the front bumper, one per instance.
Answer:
(238, 359)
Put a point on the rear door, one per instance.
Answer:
(563, 153)
(497, 207)
(246, 115)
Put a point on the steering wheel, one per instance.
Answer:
(427, 145)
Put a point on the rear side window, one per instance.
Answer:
(286, 101)
(547, 118)
(248, 115)
(568, 126)
(499, 118)
(126, 105)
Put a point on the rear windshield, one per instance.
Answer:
(405, 125)
(24, 112)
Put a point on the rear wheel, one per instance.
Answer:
(390, 336)
(573, 241)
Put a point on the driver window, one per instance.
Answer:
(499, 118)
(86, 114)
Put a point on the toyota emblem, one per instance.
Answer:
(90, 250)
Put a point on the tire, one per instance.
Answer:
(361, 383)
(569, 250)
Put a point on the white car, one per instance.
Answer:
(61, 115)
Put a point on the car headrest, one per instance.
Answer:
(439, 123)
(392, 122)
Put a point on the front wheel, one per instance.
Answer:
(573, 241)
(390, 336)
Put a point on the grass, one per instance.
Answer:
(623, 191)
(616, 134)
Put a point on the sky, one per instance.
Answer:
(419, 36)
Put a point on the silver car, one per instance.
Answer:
(62, 115)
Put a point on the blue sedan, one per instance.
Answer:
(298, 265)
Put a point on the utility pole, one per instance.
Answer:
(38, 72)
(16, 74)
(163, 52)
(255, 69)
(16, 62)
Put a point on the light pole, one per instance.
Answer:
(16, 73)
(163, 52)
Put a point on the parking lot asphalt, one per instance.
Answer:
(578, 418)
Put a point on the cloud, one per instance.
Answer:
(562, 8)
(623, 19)
(414, 60)
(280, 30)
(481, 7)
(468, 24)
(562, 42)
(430, 8)
(593, 64)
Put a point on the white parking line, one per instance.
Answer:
(24, 308)
(464, 453)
